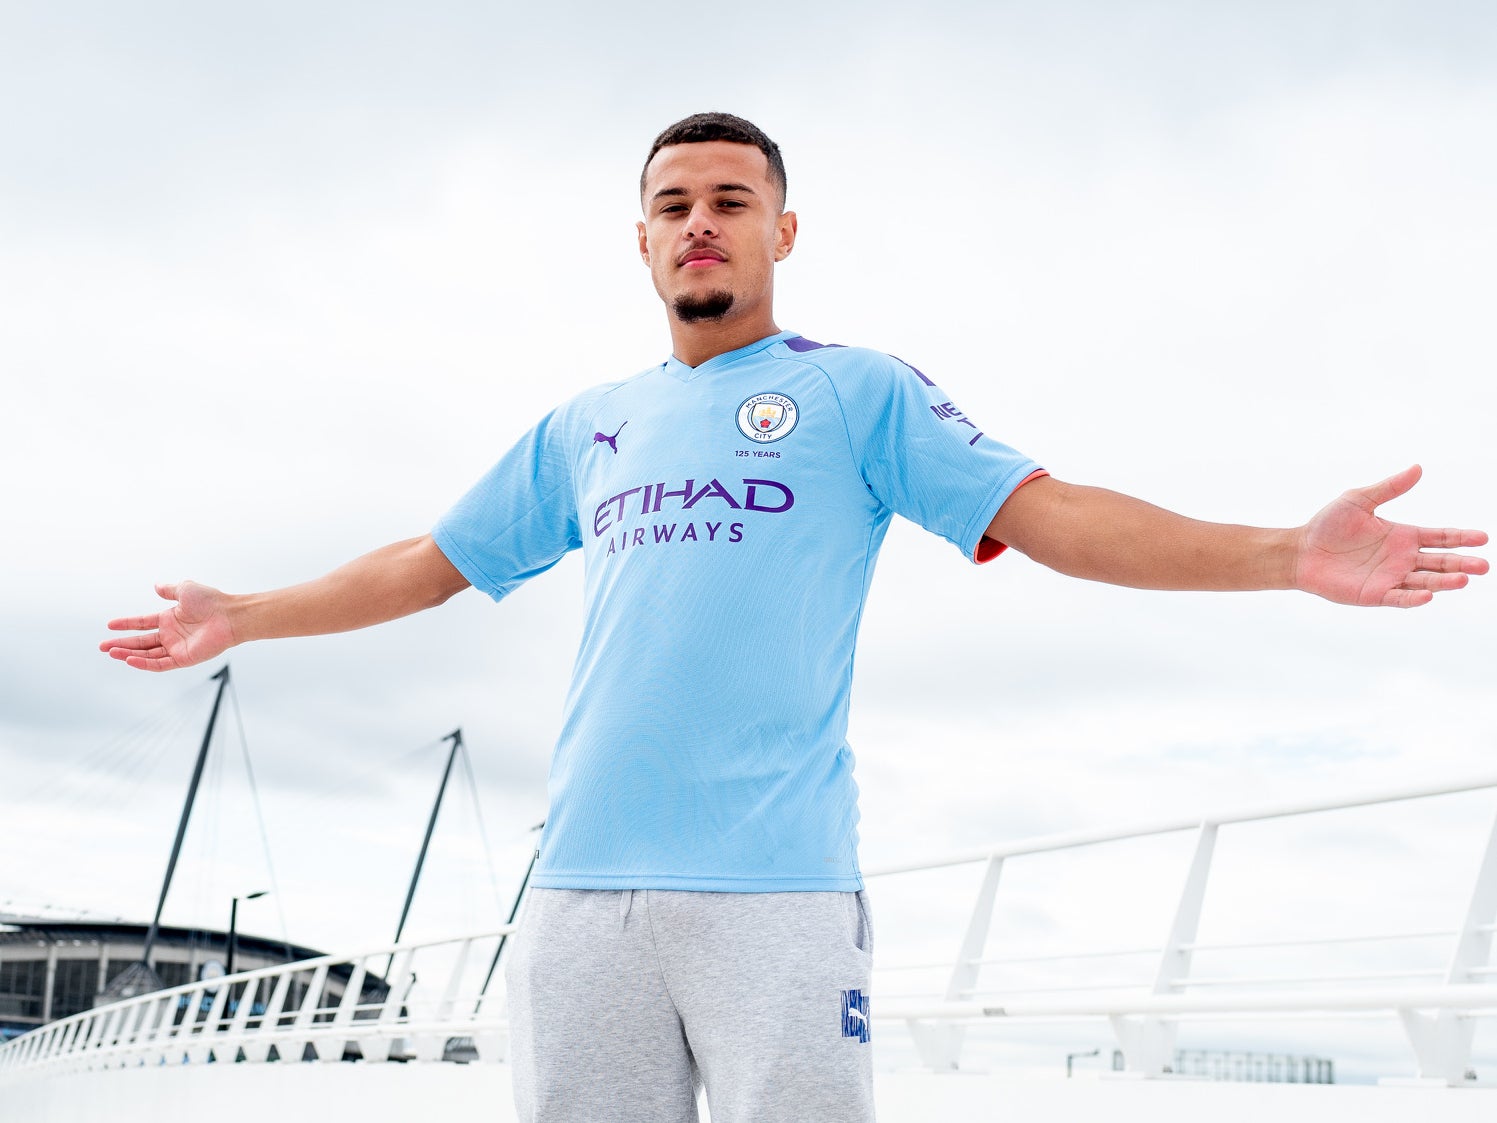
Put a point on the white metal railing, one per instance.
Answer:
(1436, 1006)
(375, 1003)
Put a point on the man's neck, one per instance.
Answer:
(694, 344)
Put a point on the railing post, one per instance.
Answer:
(398, 980)
(92, 1021)
(47, 1045)
(346, 1007)
(1442, 1041)
(56, 1041)
(134, 1022)
(301, 1027)
(181, 1036)
(940, 1046)
(156, 1026)
(257, 1045)
(50, 1043)
(239, 1023)
(431, 1046)
(208, 1034)
(114, 1027)
(1149, 1042)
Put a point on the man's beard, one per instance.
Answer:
(708, 306)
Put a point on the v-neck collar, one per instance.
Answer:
(677, 369)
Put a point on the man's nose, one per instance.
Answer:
(699, 223)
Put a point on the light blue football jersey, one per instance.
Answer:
(729, 515)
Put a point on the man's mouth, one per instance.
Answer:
(700, 259)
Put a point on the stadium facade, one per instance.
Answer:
(51, 968)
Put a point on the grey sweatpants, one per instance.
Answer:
(620, 1001)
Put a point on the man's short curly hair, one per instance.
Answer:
(702, 127)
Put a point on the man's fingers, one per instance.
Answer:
(1448, 538)
(125, 654)
(141, 663)
(1392, 487)
(132, 643)
(1450, 563)
(1407, 598)
(165, 591)
(1435, 582)
(134, 623)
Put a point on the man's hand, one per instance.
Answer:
(388, 583)
(1345, 554)
(1348, 555)
(193, 630)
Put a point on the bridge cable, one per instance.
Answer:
(275, 885)
(92, 779)
(483, 834)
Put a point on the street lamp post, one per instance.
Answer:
(234, 926)
(1073, 1056)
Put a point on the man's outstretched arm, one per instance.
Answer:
(1346, 553)
(385, 584)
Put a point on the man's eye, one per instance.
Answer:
(672, 208)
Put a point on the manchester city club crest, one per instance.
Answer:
(767, 417)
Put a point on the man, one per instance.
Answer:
(698, 910)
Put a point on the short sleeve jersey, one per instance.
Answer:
(729, 516)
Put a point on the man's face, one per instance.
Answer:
(713, 230)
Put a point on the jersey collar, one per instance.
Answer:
(677, 369)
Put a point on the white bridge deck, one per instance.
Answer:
(279, 1041)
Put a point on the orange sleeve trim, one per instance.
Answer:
(990, 548)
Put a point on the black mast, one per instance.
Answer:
(513, 912)
(192, 791)
(456, 737)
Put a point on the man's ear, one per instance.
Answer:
(784, 235)
(644, 243)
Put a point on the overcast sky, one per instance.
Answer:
(279, 281)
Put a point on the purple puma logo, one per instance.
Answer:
(611, 442)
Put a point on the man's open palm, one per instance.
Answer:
(1349, 555)
(193, 630)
